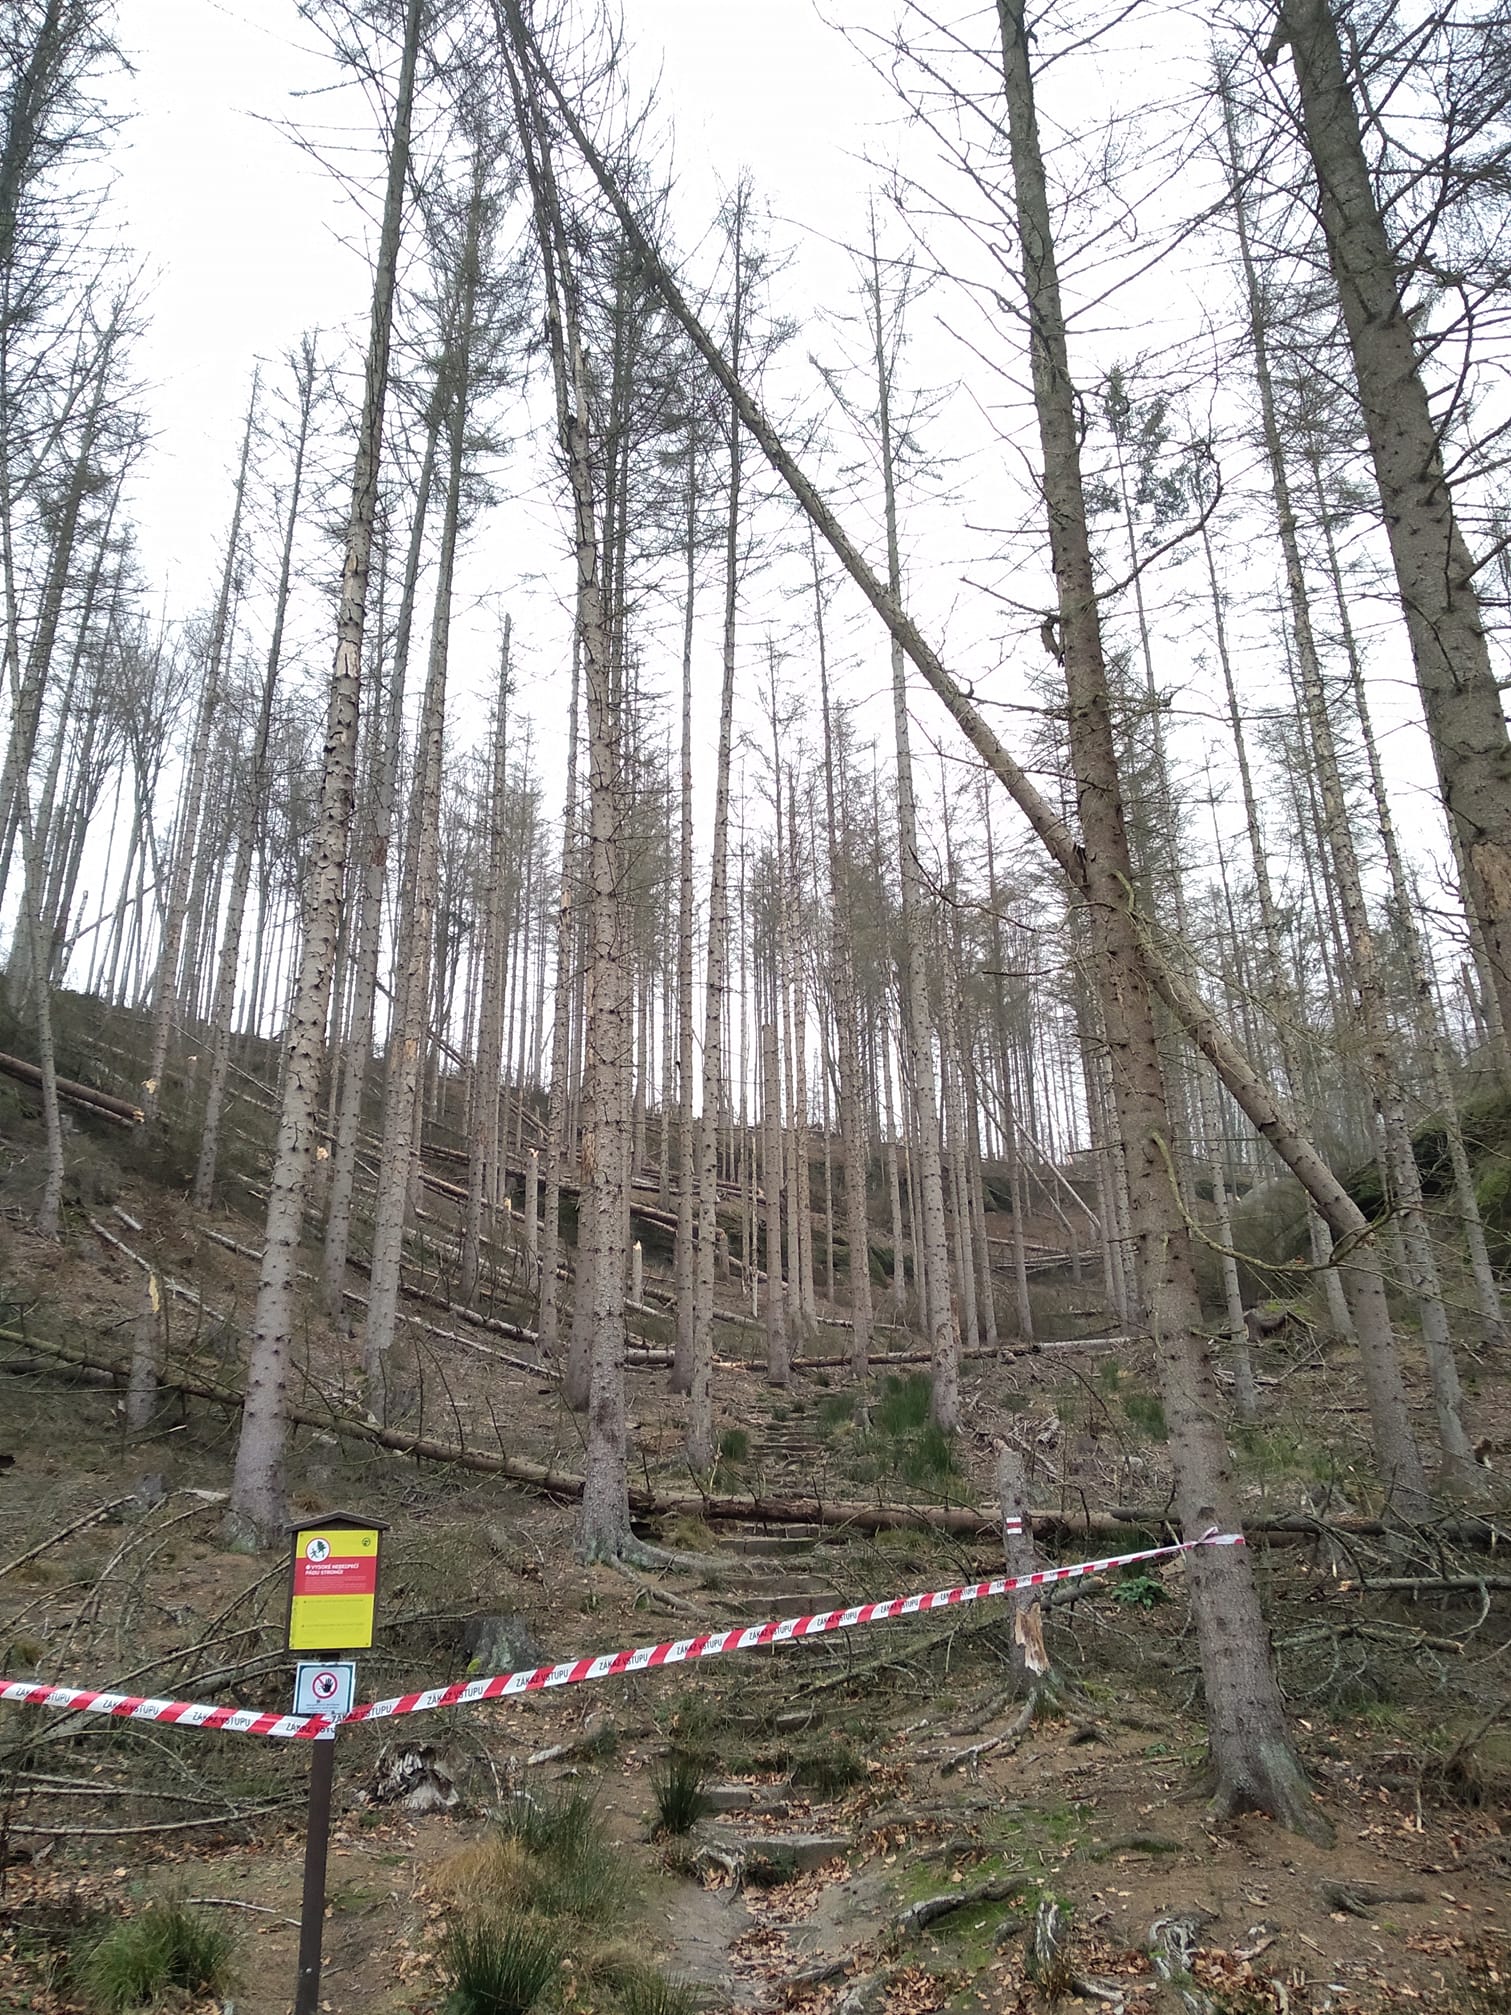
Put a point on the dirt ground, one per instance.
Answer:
(895, 1751)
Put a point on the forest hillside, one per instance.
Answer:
(755, 1097)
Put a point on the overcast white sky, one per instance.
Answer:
(250, 242)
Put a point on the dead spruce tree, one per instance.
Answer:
(604, 1530)
(1435, 572)
(886, 320)
(1254, 1762)
(248, 809)
(1395, 1444)
(257, 1502)
(744, 270)
(1266, 1107)
(461, 232)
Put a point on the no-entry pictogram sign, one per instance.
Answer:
(333, 1592)
(325, 1685)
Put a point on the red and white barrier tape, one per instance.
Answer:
(607, 1665)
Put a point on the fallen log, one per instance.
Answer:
(1001, 1351)
(957, 1520)
(118, 1109)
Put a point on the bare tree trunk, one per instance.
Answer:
(801, 1132)
(485, 1174)
(851, 1105)
(778, 1344)
(928, 1191)
(556, 1104)
(257, 1483)
(224, 1004)
(1434, 570)
(1031, 1659)
(165, 991)
(1255, 1764)
(687, 1140)
(387, 735)
(416, 932)
(604, 1528)
(1012, 1138)
(146, 1357)
(894, 1185)
(700, 1447)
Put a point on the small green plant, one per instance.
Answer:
(1146, 1412)
(734, 1446)
(647, 1991)
(165, 1947)
(556, 1828)
(830, 1769)
(498, 1965)
(834, 1409)
(930, 1459)
(677, 1787)
(904, 1405)
(566, 1867)
(916, 1448)
(1135, 1588)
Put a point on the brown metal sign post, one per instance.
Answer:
(316, 1843)
(333, 1598)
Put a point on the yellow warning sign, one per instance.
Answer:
(335, 1590)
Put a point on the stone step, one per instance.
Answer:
(797, 1539)
(757, 1799)
(772, 1580)
(775, 1857)
(796, 1599)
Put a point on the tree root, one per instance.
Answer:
(1009, 1739)
(929, 1909)
(1363, 1899)
(653, 1592)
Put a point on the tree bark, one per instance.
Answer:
(224, 1004)
(1433, 567)
(842, 970)
(416, 932)
(928, 1189)
(257, 1503)
(1254, 1762)
(165, 987)
(485, 1172)
(687, 1147)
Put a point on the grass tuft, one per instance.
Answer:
(559, 1827)
(904, 1441)
(562, 1866)
(647, 1991)
(1147, 1414)
(677, 1786)
(165, 1948)
(498, 1965)
(829, 1769)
